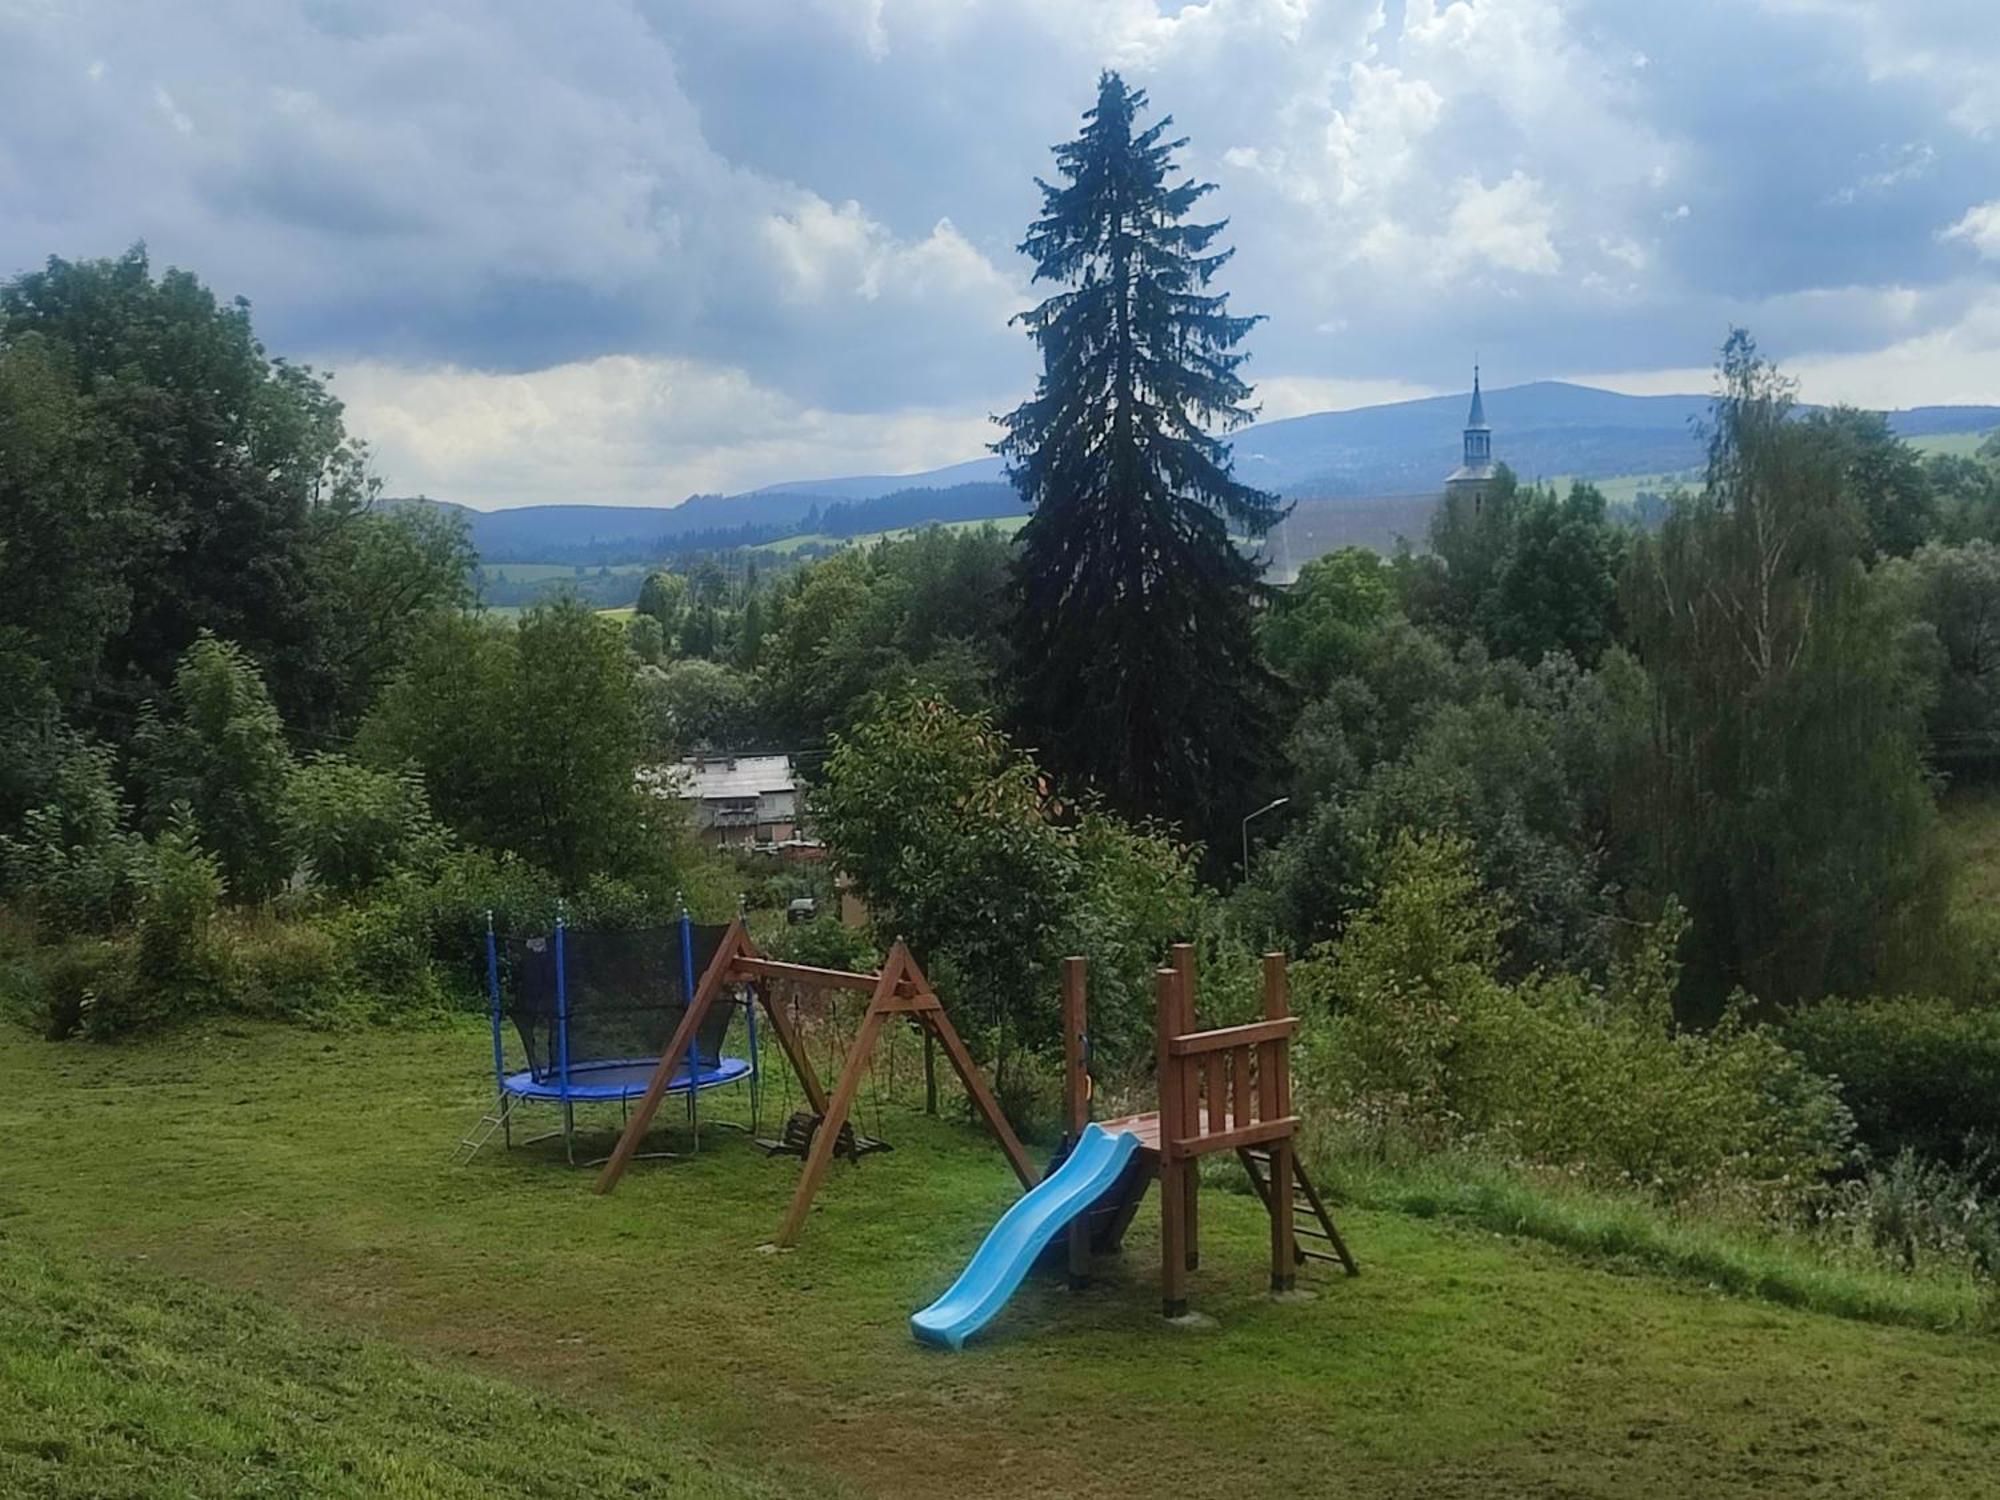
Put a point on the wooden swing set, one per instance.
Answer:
(897, 992)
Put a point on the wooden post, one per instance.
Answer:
(982, 1097)
(1190, 1102)
(930, 1072)
(1277, 1091)
(827, 1136)
(1173, 1167)
(1076, 1098)
(684, 1034)
(794, 1049)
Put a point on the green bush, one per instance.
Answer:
(290, 970)
(1920, 1075)
(73, 862)
(353, 824)
(78, 978)
(826, 943)
(178, 968)
(222, 753)
(1412, 1035)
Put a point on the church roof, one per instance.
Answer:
(1472, 473)
(1477, 416)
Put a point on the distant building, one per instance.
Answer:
(1473, 478)
(737, 800)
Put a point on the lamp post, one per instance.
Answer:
(1271, 806)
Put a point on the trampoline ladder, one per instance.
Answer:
(494, 1119)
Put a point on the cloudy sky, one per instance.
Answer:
(626, 250)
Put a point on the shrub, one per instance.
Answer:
(291, 970)
(1914, 1209)
(178, 969)
(1920, 1075)
(73, 861)
(353, 824)
(827, 943)
(1412, 1035)
(955, 840)
(223, 754)
(76, 979)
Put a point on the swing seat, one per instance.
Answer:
(620, 1078)
(804, 1125)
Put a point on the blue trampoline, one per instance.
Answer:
(593, 1012)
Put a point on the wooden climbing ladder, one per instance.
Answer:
(1306, 1201)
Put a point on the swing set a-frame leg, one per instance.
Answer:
(827, 1137)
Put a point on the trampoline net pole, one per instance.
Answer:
(562, 1043)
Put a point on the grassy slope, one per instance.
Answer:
(119, 1383)
(312, 1168)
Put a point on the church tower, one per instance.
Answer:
(1474, 476)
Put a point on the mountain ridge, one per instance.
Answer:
(1541, 429)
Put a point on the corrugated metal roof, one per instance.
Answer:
(739, 776)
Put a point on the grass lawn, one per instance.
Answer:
(1005, 525)
(518, 572)
(308, 1172)
(1956, 444)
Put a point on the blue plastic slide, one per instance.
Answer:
(997, 1267)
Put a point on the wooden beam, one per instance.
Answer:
(794, 1049)
(1173, 1197)
(1191, 1099)
(982, 1097)
(1209, 1141)
(704, 995)
(825, 979)
(827, 1136)
(1225, 1037)
(1076, 1098)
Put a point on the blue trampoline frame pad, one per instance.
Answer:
(619, 1078)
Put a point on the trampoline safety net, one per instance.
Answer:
(624, 992)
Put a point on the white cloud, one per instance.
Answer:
(1955, 363)
(1282, 396)
(623, 429)
(829, 251)
(1508, 225)
(1980, 228)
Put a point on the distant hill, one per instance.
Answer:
(1541, 430)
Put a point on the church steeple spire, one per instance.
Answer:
(1471, 480)
(1478, 436)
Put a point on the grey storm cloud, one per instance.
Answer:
(817, 201)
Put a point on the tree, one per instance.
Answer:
(1885, 476)
(375, 575)
(1557, 589)
(351, 824)
(1787, 804)
(1319, 627)
(225, 452)
(1136, 663)
(221, 754)
(1470, 543)
(527, 739)
(664, 596)
(953, 838)
(66, 517)
(1956, 591)
(701, 705)
(643, 635)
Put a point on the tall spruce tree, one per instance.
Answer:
(1138, 669)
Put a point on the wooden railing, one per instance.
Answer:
(1228, 1088)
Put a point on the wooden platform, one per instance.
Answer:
(1146, 1127)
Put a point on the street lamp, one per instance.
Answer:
(1271, 806)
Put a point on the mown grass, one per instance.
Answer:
(310, 1169)
(114, 1382)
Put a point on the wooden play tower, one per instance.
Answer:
(1227, 1089)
